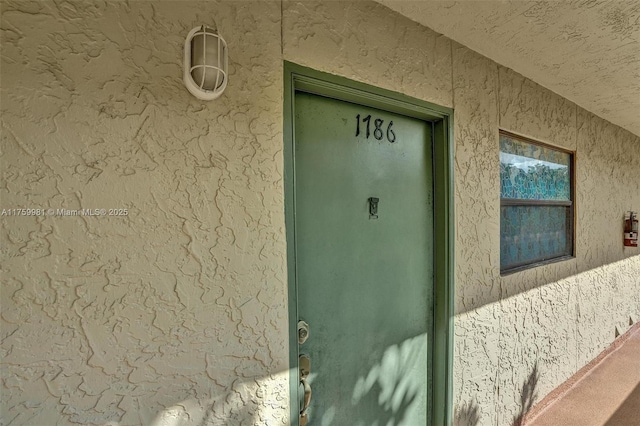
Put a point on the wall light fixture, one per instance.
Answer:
(205, 63)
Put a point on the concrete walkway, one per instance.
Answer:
(607, 395)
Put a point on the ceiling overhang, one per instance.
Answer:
(587, 51)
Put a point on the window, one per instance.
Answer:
(536, 203)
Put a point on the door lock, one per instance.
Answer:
(304, 365)
(373, 207)
(303, 332)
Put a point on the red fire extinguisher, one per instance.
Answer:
(631, 229)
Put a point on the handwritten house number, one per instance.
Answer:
(377, 131)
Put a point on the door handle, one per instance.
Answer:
(304, 365)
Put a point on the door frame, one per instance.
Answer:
(299, 78)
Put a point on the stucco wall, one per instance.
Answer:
(182, 301)
(180, 306)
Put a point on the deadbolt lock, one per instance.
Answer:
(303, 332)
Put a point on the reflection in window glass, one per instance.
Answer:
(533, 172)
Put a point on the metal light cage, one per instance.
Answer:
(205, 63)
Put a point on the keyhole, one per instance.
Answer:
(373, 207)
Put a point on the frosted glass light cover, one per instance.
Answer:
(205, 63)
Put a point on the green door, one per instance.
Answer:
(364, 275)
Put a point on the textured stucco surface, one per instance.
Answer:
(549, 321)
(363, 41)
(177, 313)
(183, 301)
(586, 50)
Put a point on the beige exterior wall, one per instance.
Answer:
(177, 312)
(184, 301)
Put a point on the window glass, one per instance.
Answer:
(533, 172)
(531, 234)
(536, 212)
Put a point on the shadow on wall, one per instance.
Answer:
(387, 386)
(564, 273)
(528, 395)
(387, 390)
(232, 407)
(467, 415)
